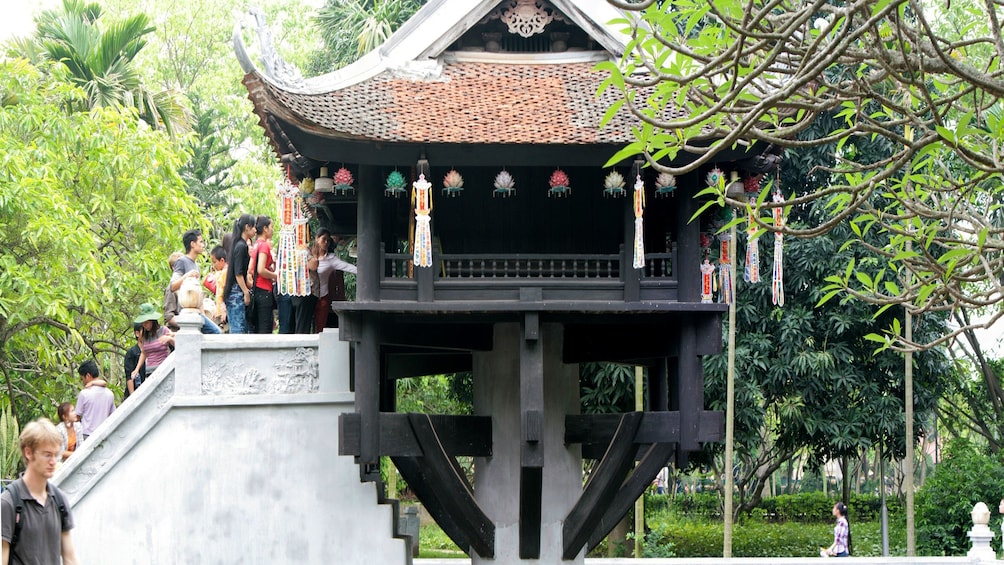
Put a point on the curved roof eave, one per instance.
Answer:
(414, 48)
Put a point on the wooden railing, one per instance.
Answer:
(463, 277)
(528, 266)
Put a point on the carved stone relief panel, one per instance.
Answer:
(293, 371)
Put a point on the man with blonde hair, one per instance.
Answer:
(36, 519)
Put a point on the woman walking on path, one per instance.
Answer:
(841, 532)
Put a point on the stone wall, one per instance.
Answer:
(229, 454)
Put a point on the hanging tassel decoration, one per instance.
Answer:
(707, 280)
(751, 272)
(423, 222)
(777, 286)
(639, 225)
(725, 270)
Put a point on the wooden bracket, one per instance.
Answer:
(602, 487)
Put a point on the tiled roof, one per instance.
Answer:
(469, 102)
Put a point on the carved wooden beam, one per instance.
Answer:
(602, 487)
(459, 435)
(655, 427)
(644, 473)
(451, 490)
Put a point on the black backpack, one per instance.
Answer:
(18, 504)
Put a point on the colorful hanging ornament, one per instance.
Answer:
(291, 250)
(751, 184)
(777, 285)
(307, 186)
(751, 272)
(665, 184)
(395, 185)
(613, 185)
(453, 183)
(715, 177)
(422, 199)
(639, 225)
(343, 181)
(505, 185)
(725, 270)
(707, 280)
(560, 185)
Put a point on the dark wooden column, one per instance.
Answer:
(368, 236)
(367, 376)
(689, 373)
(531, 455)
(658, 379)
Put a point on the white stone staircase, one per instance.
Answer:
(229, 454)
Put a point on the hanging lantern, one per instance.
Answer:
(752, 184)
(735, 190)
(343, 181)
(422, 197)
(777, 282)
(307, 186)
(395, 185)
(560, 185)
(751, 272)
(453, 183)
(715, 177)
(707, 280)
(505, 185)
(323, 182)
(639, 225)
(665, 184)
(613, 185)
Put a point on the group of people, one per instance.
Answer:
(35, 519)
(242, 281)
(251, 301)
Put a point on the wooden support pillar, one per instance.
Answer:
(531, 407)
(368, 236)
(658, 382)
(690, 387)
(367, 381)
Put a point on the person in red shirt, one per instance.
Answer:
(261, 277)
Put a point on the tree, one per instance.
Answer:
(100, 61)
(807, 381)
(708, 75)
(92, 205)
(352, 28)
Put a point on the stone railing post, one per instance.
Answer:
(188, 351)
(332, 362)
(981, 535)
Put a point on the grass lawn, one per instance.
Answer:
(689, 537)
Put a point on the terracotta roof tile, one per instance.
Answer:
(469, 103)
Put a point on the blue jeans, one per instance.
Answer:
(285, 308)
(236, 311)
(209, 327)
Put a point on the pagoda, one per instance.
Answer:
(491, 239)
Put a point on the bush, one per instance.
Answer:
(966, 476)
(699, 538)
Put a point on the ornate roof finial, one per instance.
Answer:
(280, 71)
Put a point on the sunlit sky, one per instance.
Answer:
(17, 15)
